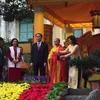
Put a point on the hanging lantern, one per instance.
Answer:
(95, 18)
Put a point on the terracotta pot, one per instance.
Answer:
(95, 84)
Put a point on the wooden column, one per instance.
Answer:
(48, 31)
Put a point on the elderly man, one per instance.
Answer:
(58, 69)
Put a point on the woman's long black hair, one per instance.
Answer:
(73, 39)
(11, 43)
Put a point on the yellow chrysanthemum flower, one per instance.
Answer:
(12, 91)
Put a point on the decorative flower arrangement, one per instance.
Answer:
(56, 91)
(86, 62)
(25, 91)
(36, 92)
(89, 65)
(12, 91)
(29, 71)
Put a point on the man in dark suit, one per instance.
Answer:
(2, 57)
(39, 54)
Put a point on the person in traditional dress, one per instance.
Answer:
(14, 58)
(57, 67)
(73, 51)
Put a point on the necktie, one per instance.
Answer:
(38, 45)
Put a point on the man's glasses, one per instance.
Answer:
(38, 36)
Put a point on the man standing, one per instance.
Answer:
(2, 57)
(39, 54)
(58, 69)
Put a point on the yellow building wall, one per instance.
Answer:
(26, 47)
(68, 34)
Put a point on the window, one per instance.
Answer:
(25, 29)
(77, 32)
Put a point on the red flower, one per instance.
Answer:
(36, 92)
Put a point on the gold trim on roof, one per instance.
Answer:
(53, 19)
(60, 24)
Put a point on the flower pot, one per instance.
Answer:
(95, 84)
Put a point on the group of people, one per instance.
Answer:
(60, 57)
(56, 61)
(10, 59)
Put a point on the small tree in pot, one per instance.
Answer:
(87, 64)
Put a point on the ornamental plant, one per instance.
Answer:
(56, 91)
(96, 57)
(12, 91)
(36, 92)
(89, 64)
(75, 62)
(88, 61)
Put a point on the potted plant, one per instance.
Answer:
(95, 84)
(89, 64)
(86, 65)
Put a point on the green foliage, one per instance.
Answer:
(7, 44)
(96, 57)
(75, 62)
(30, 39)
(56, 91)
(27, 57)
(96, 53)
(29, 72)
(15, 9)
(88, 61)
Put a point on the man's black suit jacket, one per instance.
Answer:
(3, 56)
(39, 56)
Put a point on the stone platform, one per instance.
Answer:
(75, 94)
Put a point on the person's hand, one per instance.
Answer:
(57, 53)
(5, 68)
(45, 64)
(31, 64)
(49, 60)
(14, 61)
(62, 57)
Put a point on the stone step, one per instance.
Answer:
(70, 91)
(75, 94)
(83, 91)
(75, 97)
